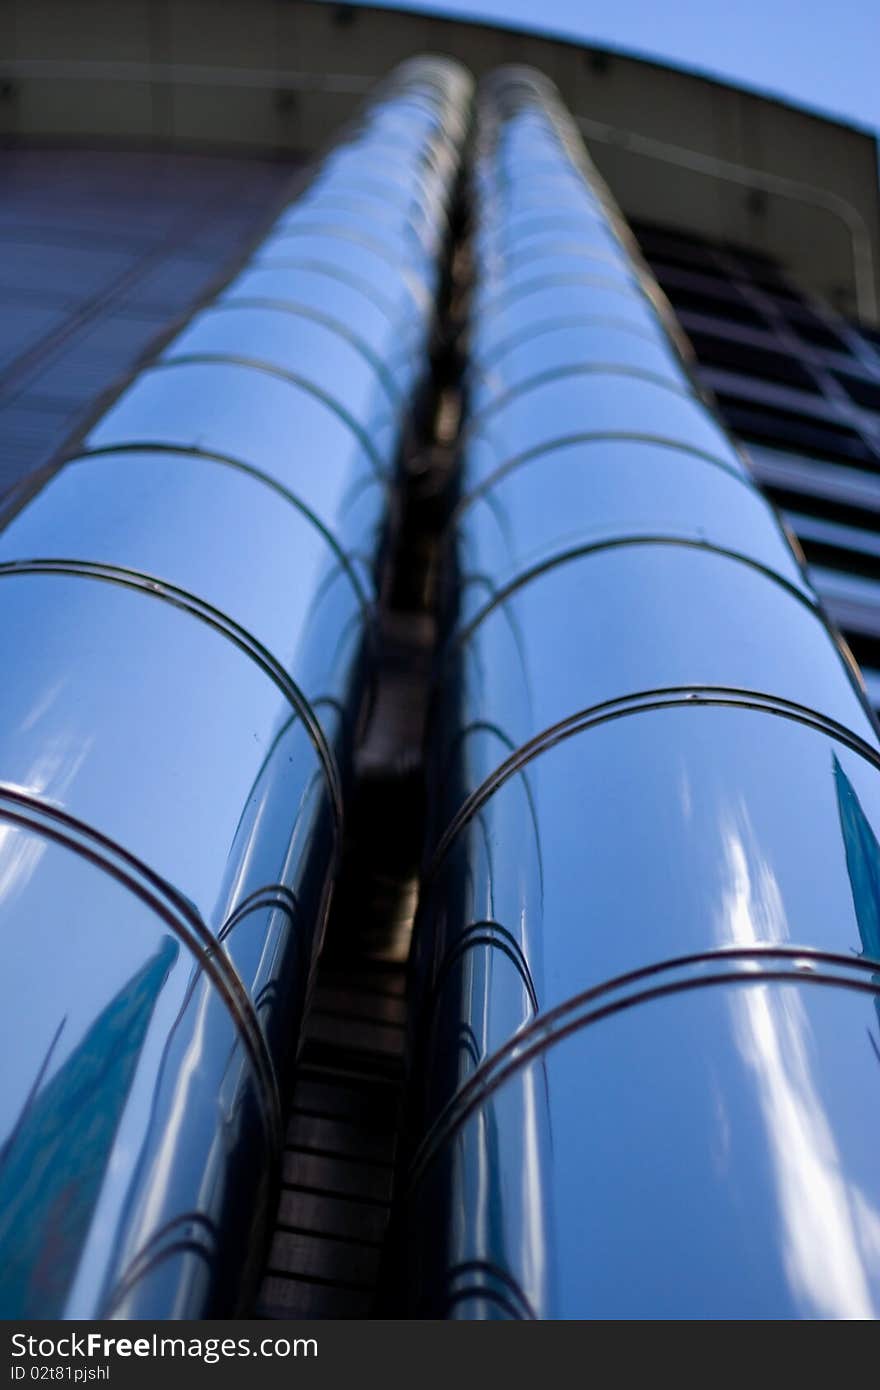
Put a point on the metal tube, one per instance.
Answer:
(648, 950)
(187, 608)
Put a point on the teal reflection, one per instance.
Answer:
(862, 862)
(52, 1163)
(863, 866)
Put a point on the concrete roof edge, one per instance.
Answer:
(524, 28)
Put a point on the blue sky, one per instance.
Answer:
(817, 53)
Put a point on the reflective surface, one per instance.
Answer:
(647, 961)
(700, 1159)
(189, 608)
(583, 401)
(660, 830)
(620, 621)
(558, 344)
(123, 1046)
(599, 491)
(167, 516)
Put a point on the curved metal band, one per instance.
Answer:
(333, 272)
(225, 626)
(354, 199)
(272, 895)
(204, 1227)
(178, 914)
(379, 189)
(791, 964)
(338, 232)
(146, 1261)
(500, 597)
(641, 702)
(634, 290)
(255, 364)
(483, 364)
(527, 167)
(231, 461)
(608, 437)
(335, 325)
(574, 248)
(381, 151)
(475, 1293)
(543, 221)
(511, 1297)
(461, 735)
(614, 369)
(486, 933)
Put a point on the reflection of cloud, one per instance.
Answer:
(48, 779)
(532, 1254)
(752, 909)
(830, 1232)
(20, 853)
(42, 706)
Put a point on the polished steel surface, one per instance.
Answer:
(701, 1148)
(189, 608)
(646, 1048)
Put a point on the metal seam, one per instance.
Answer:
(130, 1280)
(275, 895)
(379, 190)
(231, 461)
(340, 232)
(486, 726)
(167, 902)
(485, 933)
(525, 336)
(543, 221)
(670, 697)
(229, 359)
(483, 492)
(214, 618)
(183, 1219)
(420, 298)
(661, 540)
(475, 1291)
(511, 270)
(354, 200)
(504, 299)
(573, 369)
(574, 248)
(514, 1294)
(328, 321)
(576, 1013)
(564, 441)
(377, 146)
(332, 272)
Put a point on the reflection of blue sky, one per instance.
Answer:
(823, 57)
(829, 1230)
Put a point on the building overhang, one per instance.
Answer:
(676, 147)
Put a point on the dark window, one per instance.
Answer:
(736, 310)
(752, 361)
(773, 424)
(813, 330)
(863, 391)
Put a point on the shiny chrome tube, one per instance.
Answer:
(648, 955)
(186, 607)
